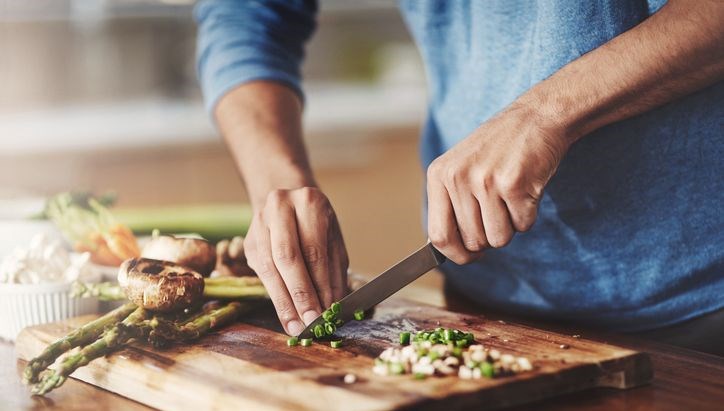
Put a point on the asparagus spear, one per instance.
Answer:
(111, 339)
(230, 288)
(196, 327)
(79, 337)
(106, 291)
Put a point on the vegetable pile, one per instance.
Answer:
(446, 352)
(327, 329)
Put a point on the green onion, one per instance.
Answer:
(404, 338)
(487, 369)
(335, 343)
(328, 315)
(336, 307)
(359, 315)
(395, 368)
(318, 331)
(305, 342)
(448, 335)
(461, 343)
(329, 328)
(292, 341)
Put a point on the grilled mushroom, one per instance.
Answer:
(160, 285)
(230, 258)
(194, 253)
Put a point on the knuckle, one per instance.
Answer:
(439, 240)
(264, 268)
(301, 296)
(276, 197)
(285, 310)
(474, 245)
(462, 259)
(433, 170)
(285, 253)
(313, 255)
(500, 240)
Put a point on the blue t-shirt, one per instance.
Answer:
(630, 230)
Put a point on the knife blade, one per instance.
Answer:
(384, 285)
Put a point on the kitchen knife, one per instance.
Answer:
(384, 285)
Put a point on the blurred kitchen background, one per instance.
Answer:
(102, 95)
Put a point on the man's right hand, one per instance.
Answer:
(295, 246)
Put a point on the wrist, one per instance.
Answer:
(555, 112)
(277, 177)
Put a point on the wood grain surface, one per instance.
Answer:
(249, 366)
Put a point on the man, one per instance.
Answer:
(613, 107)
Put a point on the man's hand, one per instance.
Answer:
(488, 186)
(294, 242)
(295, 246)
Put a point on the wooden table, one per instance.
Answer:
(684, 380)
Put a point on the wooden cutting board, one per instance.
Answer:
(248, 366)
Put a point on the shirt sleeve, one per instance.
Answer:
(244, 40)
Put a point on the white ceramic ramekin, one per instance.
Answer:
(23, 305)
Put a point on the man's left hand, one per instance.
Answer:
(488, 186)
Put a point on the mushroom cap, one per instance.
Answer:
(194, 253)
(160, 285)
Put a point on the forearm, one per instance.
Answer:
(261, 123)
(675, 52)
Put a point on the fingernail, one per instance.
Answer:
(295, 327)
(310, 316)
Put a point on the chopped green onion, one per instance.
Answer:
(292, 341)
(359, 315)
(461, 343)
(329, 328)
(328, 315)
(487, 369)
(448, 335)
(404, 338)
(396, 368)
(305, 342)
(335, 343)
(338, 322)
(318, 331)
(336, 307)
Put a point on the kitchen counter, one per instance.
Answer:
(684, 379)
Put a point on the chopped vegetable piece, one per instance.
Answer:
(336, 307)
(329, 328)
(328, 315)
(335, 343)
(487, 369)
(404, 338)
(461, 343)
(292, 341)
(305, 342)
(359, 315)
(420, 376)
(396, 368)
(318, 331)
